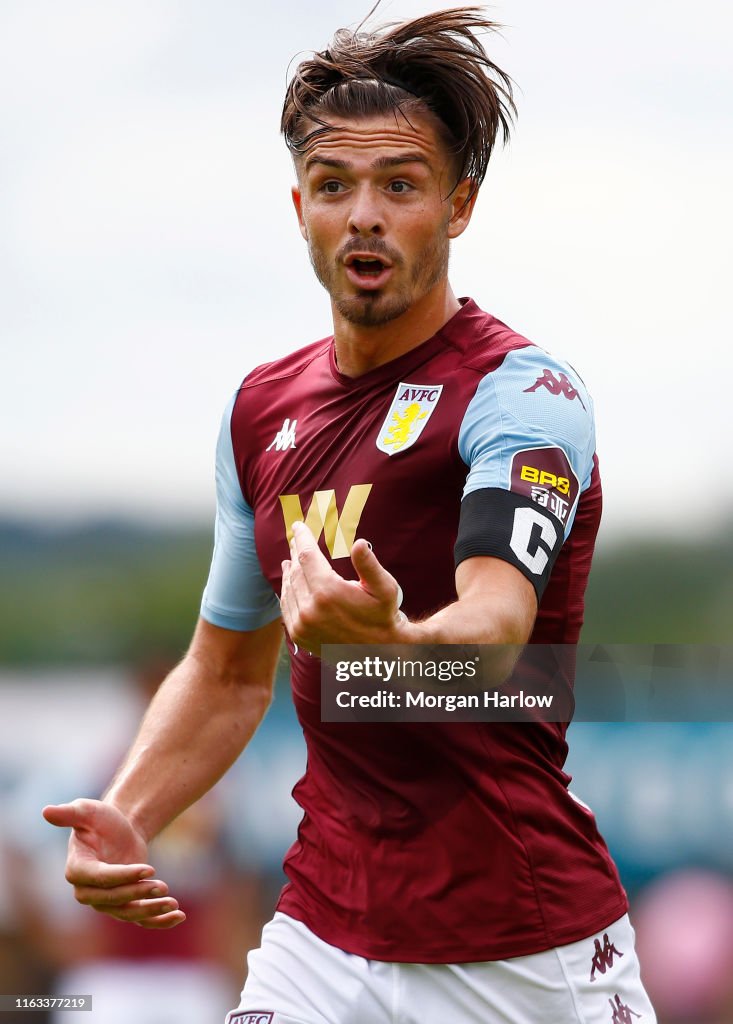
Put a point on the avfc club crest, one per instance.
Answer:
(411, 408)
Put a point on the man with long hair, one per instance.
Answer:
(425, 475)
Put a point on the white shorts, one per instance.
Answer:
(296, 978)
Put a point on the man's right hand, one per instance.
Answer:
(107, 865)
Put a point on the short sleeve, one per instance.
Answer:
(529, 430)
(237, 595)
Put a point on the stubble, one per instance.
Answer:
(376, 308)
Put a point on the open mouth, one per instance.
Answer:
(371, 267)
(367, 269)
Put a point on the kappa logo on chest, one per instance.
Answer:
(407, 417)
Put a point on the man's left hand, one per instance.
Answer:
(321, 607)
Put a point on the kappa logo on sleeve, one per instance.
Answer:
(559, 385)
(411, 408)
(250, 1017)
(546, 476)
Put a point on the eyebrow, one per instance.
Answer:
(406, 158)
(326, 162)
(381, 163)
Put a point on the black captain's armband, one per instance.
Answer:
(511, 527)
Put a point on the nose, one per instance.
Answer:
(366, 215)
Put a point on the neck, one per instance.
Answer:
(360, 349)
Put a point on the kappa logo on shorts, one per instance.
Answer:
(250, 1017)
(603, 956)
(411, 408)
(622, 1013)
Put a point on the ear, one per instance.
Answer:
(298, 204)
(461, 207)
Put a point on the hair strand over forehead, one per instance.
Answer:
(436, 62)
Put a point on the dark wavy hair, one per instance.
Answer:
(435, 61)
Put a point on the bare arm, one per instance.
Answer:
(496, 605)
(199, 721)
(197, 724)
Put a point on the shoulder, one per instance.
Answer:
(267, 397)
(519, 382)
(526, 402)
(534, 387)
(486, 344)
(292, 365)
(268, 384)
(481, 340)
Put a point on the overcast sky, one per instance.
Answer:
(149, 256)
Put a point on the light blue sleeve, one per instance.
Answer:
(529, 403)
(237, 595)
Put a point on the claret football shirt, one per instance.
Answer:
(424, 842)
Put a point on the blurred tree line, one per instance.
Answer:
(115, 592)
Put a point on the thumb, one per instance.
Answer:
(73, 815)
(373, 577)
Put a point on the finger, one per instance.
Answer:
(120, 894)
(73, 815)
(372, 575)
(288, 592)
(164, 921)
(288, 600)
(312, 562)
(139, 910)
(299, 590)
(83, 871)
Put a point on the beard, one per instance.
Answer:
(375, 308)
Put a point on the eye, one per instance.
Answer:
(332, 187)
(399, 187)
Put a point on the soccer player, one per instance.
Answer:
(424, 475)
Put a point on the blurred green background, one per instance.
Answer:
(111, 592)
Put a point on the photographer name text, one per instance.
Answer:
(443, 701)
